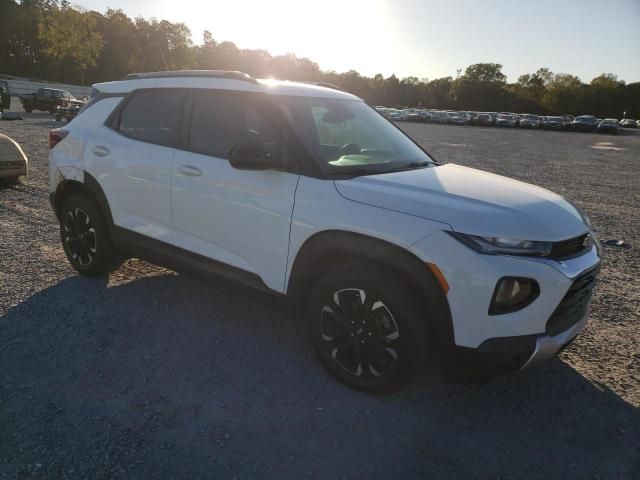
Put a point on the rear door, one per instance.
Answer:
(238, 217)
(132, 161)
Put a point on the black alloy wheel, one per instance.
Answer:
(85, 237)
(79, 236)
(360, 332)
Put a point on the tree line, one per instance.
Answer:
(51, 40)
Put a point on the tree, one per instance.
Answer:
(69, 37)
(565, 94)
(486, 72)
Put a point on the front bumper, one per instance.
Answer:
(472, 279)
(547, 346)
(13, 169)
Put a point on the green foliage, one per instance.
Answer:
(69, 37)
(51, 40)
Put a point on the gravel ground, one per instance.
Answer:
(156, 375)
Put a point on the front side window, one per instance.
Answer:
(348, 136)
(153, 116)
(220, 121)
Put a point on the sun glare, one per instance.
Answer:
(337, 34)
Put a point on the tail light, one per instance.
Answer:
(56, 135)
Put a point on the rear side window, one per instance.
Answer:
(221, 121)
(153, 116)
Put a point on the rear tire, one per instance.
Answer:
(85, 237)
(367, 329)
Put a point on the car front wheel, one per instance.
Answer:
(367, 329)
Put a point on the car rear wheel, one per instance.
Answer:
(367, 329)
(85, 237)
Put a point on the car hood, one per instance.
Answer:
(470, 201)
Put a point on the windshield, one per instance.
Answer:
(349, 137)
(506, 117)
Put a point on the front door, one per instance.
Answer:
(238, 217)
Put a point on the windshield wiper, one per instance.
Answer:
(412, 166)
(370, 170)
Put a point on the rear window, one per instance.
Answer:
(153, 116)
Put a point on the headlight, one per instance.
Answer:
(504, 246)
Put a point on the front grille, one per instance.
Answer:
(569, 248)
(574, 304)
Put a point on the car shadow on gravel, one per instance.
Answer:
(168, 377)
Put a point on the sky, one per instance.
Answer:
(423, 38)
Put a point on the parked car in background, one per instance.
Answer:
(394, 114)
(438, 116)
(5, 96)
(506, 120)
(608, 125)
(494, 117)
(415, 116)
(530, 121)
(384, 111)
(482, 119)
(567, 120)
(628, 123)
(46, 99)
(68, 110)
(554, 123)
(517, 117)
(390, 258)
(584, 123)
(458, 118)
(13, 161)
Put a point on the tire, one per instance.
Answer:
(85, 237)
(366, 328)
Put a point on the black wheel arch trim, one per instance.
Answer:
(91, 186)
(318, 252)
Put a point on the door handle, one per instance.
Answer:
(100, 151)
(190, 170)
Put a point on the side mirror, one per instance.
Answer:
(255, 156)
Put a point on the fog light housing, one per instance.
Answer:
(513, 294)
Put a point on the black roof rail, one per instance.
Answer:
(228, 74)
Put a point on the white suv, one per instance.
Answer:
(307, 191)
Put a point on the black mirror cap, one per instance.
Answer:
(254, 156)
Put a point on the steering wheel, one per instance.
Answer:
(349, 149)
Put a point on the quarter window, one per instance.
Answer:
(153, 116)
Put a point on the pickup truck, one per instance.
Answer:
(46, 99)
(5, 97)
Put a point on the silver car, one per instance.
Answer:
(13, 161)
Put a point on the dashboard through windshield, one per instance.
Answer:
(350, 137)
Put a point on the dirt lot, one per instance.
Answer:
(158, 375)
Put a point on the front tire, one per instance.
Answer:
(367, 329)
(85, 237)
